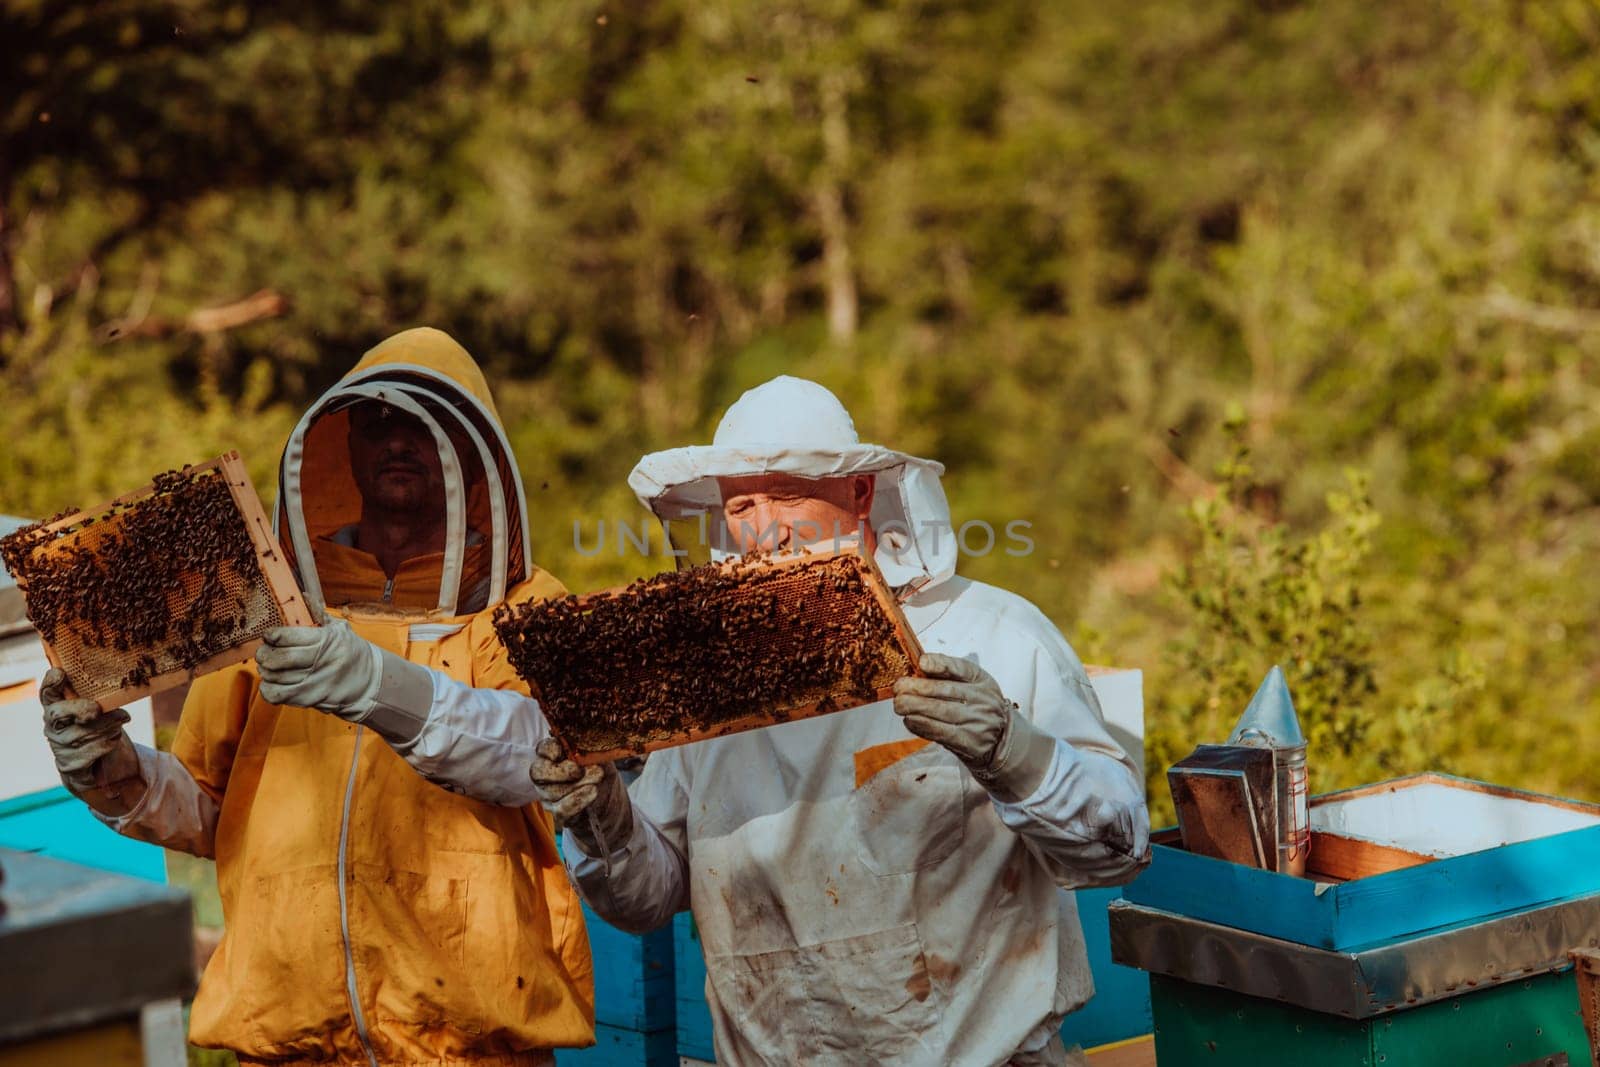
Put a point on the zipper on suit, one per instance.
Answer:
(344, 907)
(388, 590)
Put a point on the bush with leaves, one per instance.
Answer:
(1253, 594)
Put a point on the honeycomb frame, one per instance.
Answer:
(897, 653)
(277, 590)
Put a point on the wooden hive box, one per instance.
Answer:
(709, 651)
(145, 592)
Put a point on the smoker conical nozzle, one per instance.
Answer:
(1271, 717)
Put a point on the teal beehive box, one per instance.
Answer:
(1433, 926)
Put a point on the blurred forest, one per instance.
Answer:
(1279, 321)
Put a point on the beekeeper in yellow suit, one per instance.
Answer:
(385, 902)
(878, 886)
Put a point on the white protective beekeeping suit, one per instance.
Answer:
(861, 898)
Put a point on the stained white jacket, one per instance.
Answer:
(860, 897)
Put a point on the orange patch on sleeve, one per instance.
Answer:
(16, 694)
(870, 761)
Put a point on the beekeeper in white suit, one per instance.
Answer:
(877, 886)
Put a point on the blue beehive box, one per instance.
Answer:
(633, 976)
(1120, 1007)
(1437, 913)
(634, 1013)
(694, 1016)
(1412, 854)
(55, 823)
(616, 1046)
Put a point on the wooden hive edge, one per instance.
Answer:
(587, 600)
(753, 721)
(1469, 785)
(172, 679)
(292, 606)
(1336, 858)
(891, 608)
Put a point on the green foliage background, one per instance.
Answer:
(1279, 321)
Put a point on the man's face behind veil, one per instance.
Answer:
(394, 460)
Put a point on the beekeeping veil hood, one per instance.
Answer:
(427, 375)
(796, 427)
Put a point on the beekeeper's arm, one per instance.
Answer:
(139, 792)
(626, 855)
(1056, 777)
(471, 740)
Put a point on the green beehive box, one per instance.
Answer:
(1530, 1021)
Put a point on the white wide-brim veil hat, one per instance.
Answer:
(797, 427)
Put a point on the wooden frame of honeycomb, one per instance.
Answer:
(710, 651)
(100, 658)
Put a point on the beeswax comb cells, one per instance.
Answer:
(141, 594)
(708, 651)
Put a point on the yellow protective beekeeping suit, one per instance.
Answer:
(371, 916)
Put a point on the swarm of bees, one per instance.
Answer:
(694, 653)
(159, 584)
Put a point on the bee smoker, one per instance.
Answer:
(1270, 722)
(1245, 801)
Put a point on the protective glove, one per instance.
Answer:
(958, 705)
(593, 801)
(94, 754)
(332, 669)
(325, 667)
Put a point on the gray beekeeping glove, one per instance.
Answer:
(960, 706)
(593, 801)
(94, 754)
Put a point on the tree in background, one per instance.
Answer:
(1050, 244)
(1251, 594)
